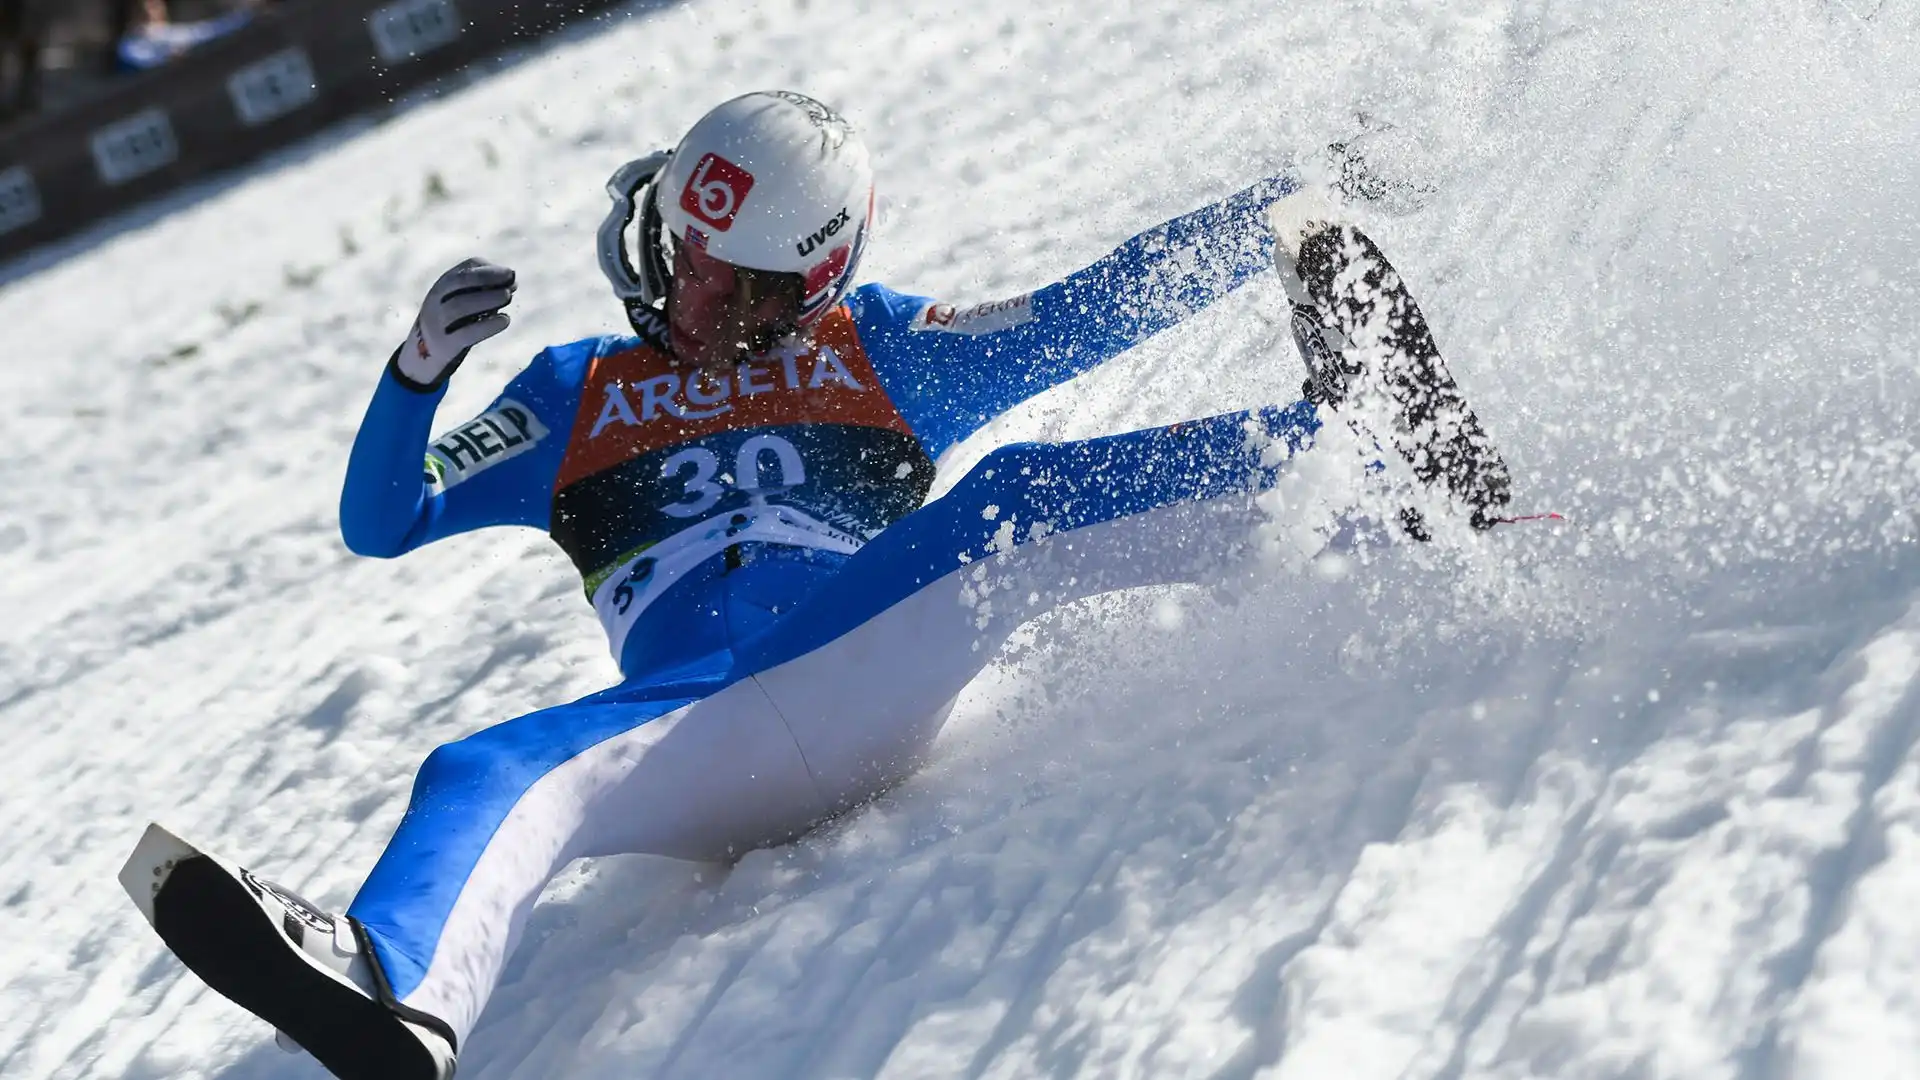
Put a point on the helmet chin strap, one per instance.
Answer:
(643, 289)
(773, 337)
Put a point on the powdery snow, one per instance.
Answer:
(1638, 797)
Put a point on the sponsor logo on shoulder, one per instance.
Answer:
(502, 432)
(979, 319)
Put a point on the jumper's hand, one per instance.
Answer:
(462, 310)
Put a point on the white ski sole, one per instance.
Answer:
(209, 913)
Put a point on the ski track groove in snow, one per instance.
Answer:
(1067, 923)
(1509, 946)
(1636, 797)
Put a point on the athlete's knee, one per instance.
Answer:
(469, 766)
(1016, 459)
(1010, 471)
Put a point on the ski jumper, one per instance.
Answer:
(791, 622)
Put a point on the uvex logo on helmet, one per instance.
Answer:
(715, 191)
(824, 233)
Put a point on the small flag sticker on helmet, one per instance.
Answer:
(696, 237)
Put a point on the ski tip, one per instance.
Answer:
(1300, 215)
(153, 859)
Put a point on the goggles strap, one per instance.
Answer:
(640, 288)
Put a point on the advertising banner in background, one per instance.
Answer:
(289, 72)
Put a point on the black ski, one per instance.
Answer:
(242, 935)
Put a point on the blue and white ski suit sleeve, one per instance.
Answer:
(955, 382)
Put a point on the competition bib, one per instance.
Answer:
(669, 465)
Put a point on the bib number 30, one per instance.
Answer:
(702, 484)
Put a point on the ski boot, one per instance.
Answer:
(1363, 336)
(309, 974)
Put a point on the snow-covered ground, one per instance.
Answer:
(1637, 798)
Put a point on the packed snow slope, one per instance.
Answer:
(1639, 797)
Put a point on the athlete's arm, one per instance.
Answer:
(950, 370)
(403, 491)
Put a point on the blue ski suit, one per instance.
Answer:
(791, 617)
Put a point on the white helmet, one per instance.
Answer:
(771, 181)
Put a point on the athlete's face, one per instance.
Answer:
(717, 313)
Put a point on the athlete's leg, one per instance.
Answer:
(709, 768)
(863, 670)
(697, 770)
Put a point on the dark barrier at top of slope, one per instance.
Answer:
(285, 76)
